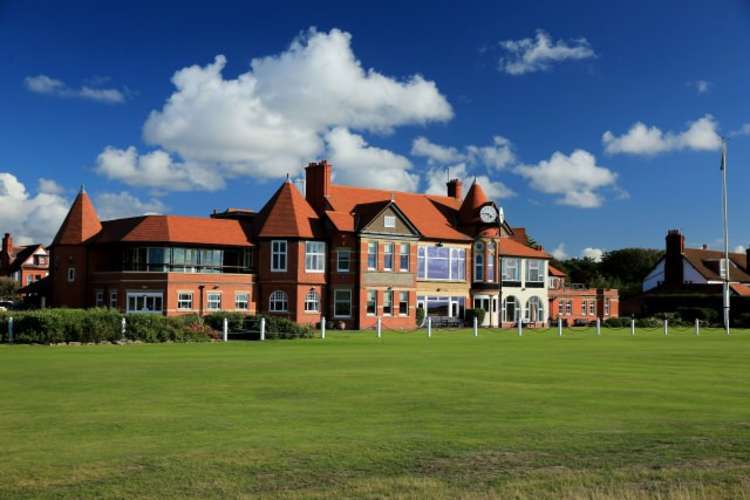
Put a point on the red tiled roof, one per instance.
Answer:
(288, 215)
(434, 216)
(176, 229)
(741, 290)
(474, 200)
(80, 224)
(556, 272)
(512, 248)
(706, 262)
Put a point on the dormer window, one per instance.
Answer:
(389, 221)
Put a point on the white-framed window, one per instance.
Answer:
(278, 302)
(510, 309)
(479, 262)
(441, 263)
(372, 255)
(403, 303)
(278, 255)
(100, 298)
(388, 303)
(403, 257)
(342, 303)
(389, 221)
(185, 301)
(569, 307)
(534, 310)
(312, 302)
(113, 299)
(606, 306)
(213, 301)
(592, 308)
(534, 271)
(511, 266)
(315, 256)
(343, 260)
(242, 301)
(145, 302)
(491, 264)
(71, 275)
(372, 302)
(584, 307)
(388, 256)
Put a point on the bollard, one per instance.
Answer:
(262, 328)
(632, 327)
(123, 327)
(476, 329)
(598, 327)
(379, 326)
(225, 330)
(697, 327)
(323, 328)
(10, 330)
(429, 327)
(520, 328)
(666, 327)
(559, 327)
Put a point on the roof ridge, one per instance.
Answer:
(392, 191)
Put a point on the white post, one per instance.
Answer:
(632, 327)
(379, 326)
(476, 327)
(123, 327)
(598, 327)
(323, 328)
(43, 302)
(429, 327)
(225, 330)
(666, 327)
(10, 330)
(697, 327)
(559, 327)
(262, 328)
(520, 327)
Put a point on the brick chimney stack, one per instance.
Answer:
(674, 273)
(455, 188)
(317, 183)
(747, 259)
(5, 252)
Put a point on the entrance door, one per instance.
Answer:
(483, 302)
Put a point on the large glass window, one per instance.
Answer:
(312, 302)
(511, 267)
(278, 302)
(534, 271)
(403, 257)
(534, 310)
(158, 259)
(145, 302)
(372, 302)
(372, 255)
(278, 255)
(510, 309)
(315, 256)
(491, 262)
(441, 263)
(342, 303)
(452, 307)
(479, 262)
(188, 260)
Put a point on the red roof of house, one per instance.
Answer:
(80, 224)
(556, 272)
(475, 198)
(741, 290)
(19, 255)
(706, 262)
(513, 248)
(288, 215)
(176, 229)
(434, 216)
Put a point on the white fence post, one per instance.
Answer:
(632, 327)
(225, 330)
(379, 324)
(123, 327)
(10, 330)
(697, 327)
(559, 327)
(429, 327)
(598, 327)
(323, 328)
(476, 327)
(520, 327)
(666, 327)
(262, 328)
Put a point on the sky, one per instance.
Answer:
(595, 125)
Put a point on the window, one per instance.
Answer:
(441, 263)
(584, 308)
(450, 307)
(342, 303)
(479, 262)
(403, 257)
(387, 303)
(29, 279)
(71, 274)
(278, 256)
(388, 256)
(403, 303)
(372, 255)
(534, 310)
(569, 307)
(241, 301)
(389, 221)
(510, 269)
(606, 306)
(372, 302)
(113, 299)
(534, 270)
(312, 302)
(158, 259)
(592, 307)
(185, 301)
(213, 301)
(278, 302)
(99, 298)
(344, 260)
(490, 262)
(315, 256)
(510, 309)
(145, 302)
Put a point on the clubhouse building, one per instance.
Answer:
(346, 253)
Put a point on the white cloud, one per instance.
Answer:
(49, 186)
(559, 252)
(701, 135)
(31, 219)
(123, 204)
(529, 55)
(700, 86)
(576, 177)
(360, 164)
(43, 84)
(743, 130)
(740, 249)
(594, 254)
(497, 155)
(436, 182)
(273, 119)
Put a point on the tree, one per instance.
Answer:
(8, 288)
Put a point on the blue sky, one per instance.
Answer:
(520, 96)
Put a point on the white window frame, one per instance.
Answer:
(146, 296)
(71, 275)
(592, 308)
(478, 261)
(606, 306)
(315, 256)
(388, 251)
(312, 302)
(337, 300)
(238, 302)
(374, 294)
(388, 303)
(404, 250)
(401, 301)
(278, 297)
(389, 221)
(539, 265)
(340, 253)
(113, 299)
(280, 249)
(181, 301)
(511, 269)
(99, 297)
(208, 301)
(370, 246)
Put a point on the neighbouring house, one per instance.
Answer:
(26, 264)
(693, 278)
(346, 253)
(575, 304)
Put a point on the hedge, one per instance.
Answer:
(470, 314)
(278, 328)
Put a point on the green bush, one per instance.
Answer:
(616, 322)
(649, 322)
(478, 313)
(278, 328)
(420, 315)
(707, 314)
(216, 320)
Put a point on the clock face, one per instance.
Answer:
(488, 214)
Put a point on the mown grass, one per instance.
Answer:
(403, 416)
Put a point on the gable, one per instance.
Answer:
(390, 216)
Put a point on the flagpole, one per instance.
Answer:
(725, 216)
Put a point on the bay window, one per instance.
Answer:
(441, 263)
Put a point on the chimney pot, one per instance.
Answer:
(455, 186)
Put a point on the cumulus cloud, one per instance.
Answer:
(123, 204)
(30, 218)
(436, 182)
(740, 249)
(743, 130)
(43, 84)
(282, 113)
(576, 177)
(49, 186)
(529, 55)
(700, 86)
(497, 155)
(559, 252)
(594, 254)
(700, 135)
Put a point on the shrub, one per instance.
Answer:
(420, 315)
(216, 320)
(278, 328)
(616, 322)
(478, 313)
(649, 322)
(707, 314)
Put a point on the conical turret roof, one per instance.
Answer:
(80, 224)
(474, 200)
(288, 215)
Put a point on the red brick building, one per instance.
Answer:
(347, 253)
(25, 264)
(577, 305)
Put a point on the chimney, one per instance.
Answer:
(747, 259)
(673, 268)
(7, 243)
(704, 247)
(455, 187)
(317, 184)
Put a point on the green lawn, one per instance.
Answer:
(538, 416)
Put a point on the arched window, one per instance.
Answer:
(510, 309)
(534, 310)
(478, 261)
(491, 261)
(312, 302)
(278, 302)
